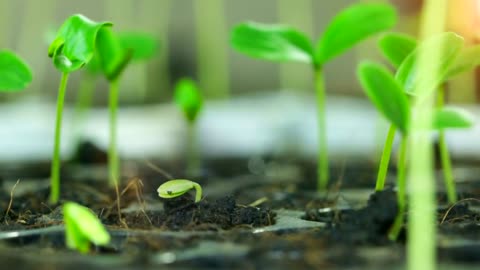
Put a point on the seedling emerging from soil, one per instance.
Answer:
(82, 228)
(284, 43)
(15, 74)
(111, 58)
(188, 98)
(396, 48)
(113, 55)
(390, 97)
(73, 48)
(178, 187)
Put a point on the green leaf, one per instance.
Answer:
(271, 42)
(468, 59)
(188, 98)
(74, 44)
(351, 26)
(113, 58)
(385, 93)
(143, 46)
(82, 227)
(449, 117)
(396, 47)
(14, 72)
(450, 45)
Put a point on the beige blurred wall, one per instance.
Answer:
(24, 25)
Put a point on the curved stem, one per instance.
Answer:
(445, 156)
(385, 160)
(113, 162)
(322, 169)
(55, 169)
(198, 190)
(401, 191)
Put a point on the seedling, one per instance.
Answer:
(396, 48)
(82, 228)
(178, 187)
(390, 97)
(113, 55)
(188, 98)
(15, 75)
(73, 48)
(283, 43)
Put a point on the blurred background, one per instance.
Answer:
(194, 41)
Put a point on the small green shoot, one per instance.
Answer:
(284, 43)
(391, 100)
(15, 75)
(188, 98)
(73, 48)
(178, 187)
(82, 228)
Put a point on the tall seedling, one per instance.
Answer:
(396, 48)
(284, 43)
(114, 53)
(391, 96)
(73, 48)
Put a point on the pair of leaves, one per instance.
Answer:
(188, 98)
(398, 47)
(115, 51)
(75, 42)
(284, 43)
(449, 45)
(82, 227)
(388, 96)
(14, 72)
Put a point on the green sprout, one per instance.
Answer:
(188, 98)
(15, 75)
(283, 43)
(391, 99)
(398, 47)
(82, 228)
(178, 187)
(73, 48)
(114, 53)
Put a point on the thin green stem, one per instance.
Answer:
(113, 161)
(83, 104)
(385, 160)
(198, 190)
(193, 157)
(445, 156)
(401, 190)
(322, 169)
(55, 170)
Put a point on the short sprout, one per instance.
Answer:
(82, 227)
(178, 187)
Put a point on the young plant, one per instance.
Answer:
(82, 228)
(283, 43)
(396, 48)
(15, 75)
(188, 98)
(112, 57)
(390, 97)
(178, 187)
(73, 48)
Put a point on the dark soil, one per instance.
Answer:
(223, 231)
